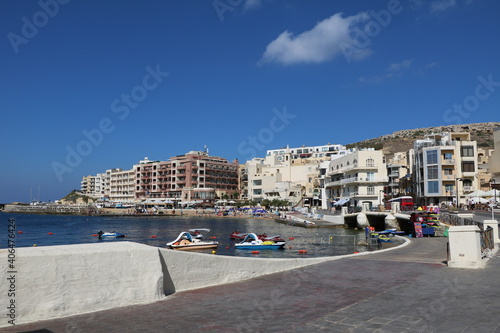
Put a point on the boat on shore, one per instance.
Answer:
(252, 242)
(185, 241)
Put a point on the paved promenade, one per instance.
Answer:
(404, 290)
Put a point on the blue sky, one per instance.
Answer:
(93, 85)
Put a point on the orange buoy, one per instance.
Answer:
(356, 252)
(227, 247)
(95, 235)
(19, 232)
(153, 236)
(302, 251)
(255, 252)
(213, 237)
(50, 233)
(289, 247)
(291, 238)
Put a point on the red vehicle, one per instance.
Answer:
(405, 202)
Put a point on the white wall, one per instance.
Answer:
(189, 270)
(57, 281)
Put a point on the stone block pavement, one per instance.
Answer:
(409, 289)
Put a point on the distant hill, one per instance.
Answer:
(403, 140)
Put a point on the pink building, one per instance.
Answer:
(193, 177)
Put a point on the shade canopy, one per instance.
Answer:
(477, 193)
(341, 202)
(493, 193)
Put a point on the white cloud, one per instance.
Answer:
(321, 43)
(401, 65)
(441, 5)
(394, 70)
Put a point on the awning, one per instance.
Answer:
(341, 202)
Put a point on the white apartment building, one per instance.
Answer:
(288, 173)
(398, 168)
(357, 177)
(307, 151)
(92, 186)
(445, 168)
(494, 163)
(121, 185)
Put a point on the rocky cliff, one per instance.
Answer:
(403, 140)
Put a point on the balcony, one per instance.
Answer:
(449, 177)
(352, 167)
(363, 180)
(447, 162)
(468, 188)
(331, 184)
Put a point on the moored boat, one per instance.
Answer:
(252, 241)
(264, 237)
(185, 241)
(105, 235)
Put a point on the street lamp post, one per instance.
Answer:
(494, 189)
(380, 197)
(495, 200)
(458, 195)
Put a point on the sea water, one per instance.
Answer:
(47, 230)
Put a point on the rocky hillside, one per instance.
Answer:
(403, 140)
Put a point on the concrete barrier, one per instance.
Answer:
(189, 270)
(65, 280)
(57, 281)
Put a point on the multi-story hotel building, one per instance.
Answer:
(445, 168)
(121, 185)
(357, 177)
(195, 177)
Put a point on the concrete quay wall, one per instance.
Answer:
(57, 281)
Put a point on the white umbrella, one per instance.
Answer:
(477, 193)
(491, 193)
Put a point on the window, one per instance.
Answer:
(448, 156)
(467, 182)
(449, 187)
(370, 190)
(432, 172)
(433, 186)
(448, 172)
(468, 166)
(370, 162)
(370, 176)
(467, 151)
(432, 157)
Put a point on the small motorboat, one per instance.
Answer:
(264, 237)
(106, 235)
(252, 241)
(185, 241)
